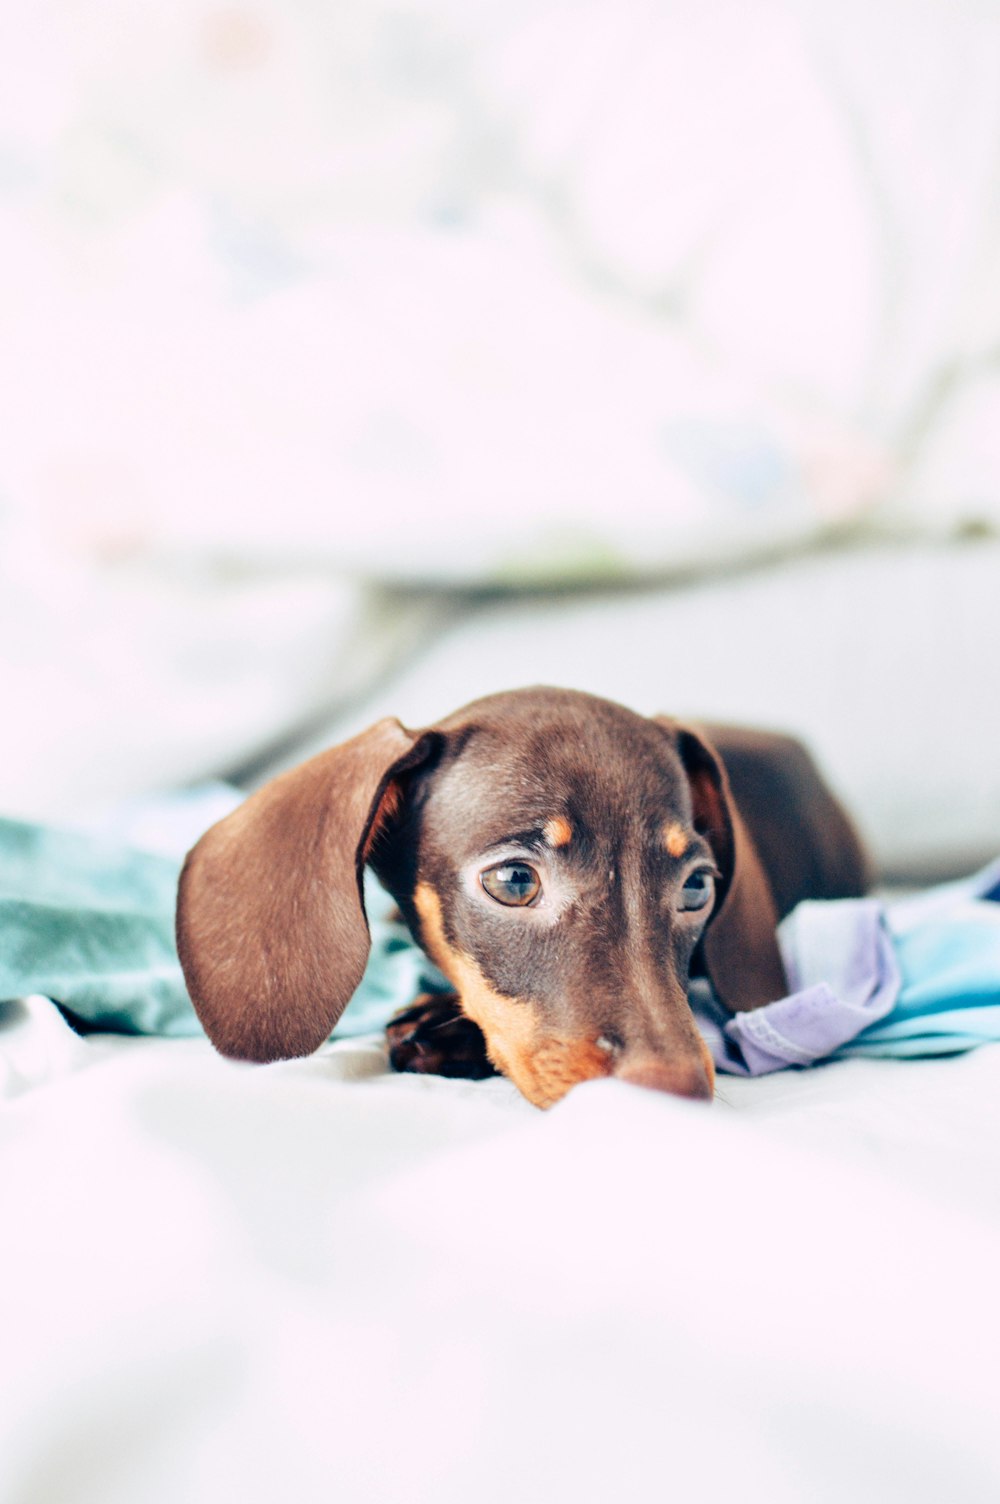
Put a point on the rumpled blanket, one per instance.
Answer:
(89, 922)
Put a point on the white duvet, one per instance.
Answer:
(236, 336)
(320, 1281)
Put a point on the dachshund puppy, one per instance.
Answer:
(565, 862)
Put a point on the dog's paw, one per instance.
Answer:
(433, 1037)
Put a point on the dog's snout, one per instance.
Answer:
(689, 1076)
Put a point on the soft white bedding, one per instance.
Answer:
(297, 300)
(317, 1281)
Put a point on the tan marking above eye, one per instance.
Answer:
(558, 831)
(675, 839)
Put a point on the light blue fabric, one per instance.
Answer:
(947, 944)
(90, 924)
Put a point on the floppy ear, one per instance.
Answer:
(740, 945)
(271, 926)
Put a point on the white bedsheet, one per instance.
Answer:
(321, 1281)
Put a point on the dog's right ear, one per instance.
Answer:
(271, 926)
(740, 944)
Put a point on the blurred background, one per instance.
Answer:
(363, 357)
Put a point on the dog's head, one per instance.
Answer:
(560, 858)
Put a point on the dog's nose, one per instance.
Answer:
(687, 1077)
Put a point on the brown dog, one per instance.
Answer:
(564, 862)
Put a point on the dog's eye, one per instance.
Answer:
(512, 883)
(698, 890)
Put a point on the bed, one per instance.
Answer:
(357, 369)
(320, 1276)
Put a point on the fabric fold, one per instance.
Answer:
(844, 976)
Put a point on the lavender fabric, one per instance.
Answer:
(844, 975)
(918, 976)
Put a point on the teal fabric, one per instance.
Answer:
(950, 995)
(90, 923)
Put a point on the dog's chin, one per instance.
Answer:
(551, 1068)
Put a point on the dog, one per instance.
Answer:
(566, 863)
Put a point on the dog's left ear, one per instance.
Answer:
(271, 926)
(740, 944)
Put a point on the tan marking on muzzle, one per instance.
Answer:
(542, 1066)
(558, 831)
(675, 839)
(557, 1065)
